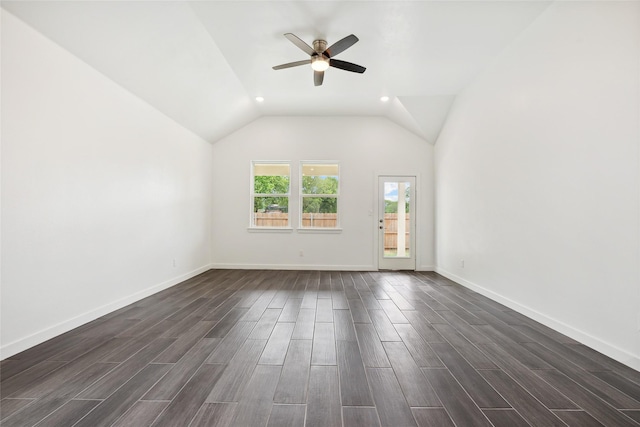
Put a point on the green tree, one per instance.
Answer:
(321, 185)
(391, 206)
(270, 184)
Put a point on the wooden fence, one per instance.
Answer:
(329, 220)
(320, 220)
(272, 219)
(391, 231)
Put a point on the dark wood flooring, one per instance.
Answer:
(294, 348)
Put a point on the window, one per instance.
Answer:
(319, 193)
(270, 194)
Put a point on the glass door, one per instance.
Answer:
(396, 223)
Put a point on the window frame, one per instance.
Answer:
(253, 195)
(301, 197)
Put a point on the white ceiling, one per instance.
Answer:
(203, 63)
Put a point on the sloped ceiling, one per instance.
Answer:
(203, 63)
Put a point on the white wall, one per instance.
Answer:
(364, 146)
(100, 193)
(537, 177)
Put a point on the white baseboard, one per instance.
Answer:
(32, 340)
(597, 344)
(294, 267)
(307, 267)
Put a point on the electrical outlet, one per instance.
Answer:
(301, 253)
(461, 263)
(174, 262)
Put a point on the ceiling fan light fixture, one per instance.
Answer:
(319, 63)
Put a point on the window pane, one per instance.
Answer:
(315, 184)
(391, 196)
(320, 169)
(270, 212)
(396, 219)
(270, 178)
(271, 204)
(320, 212)
(319, 205)
(320, 179)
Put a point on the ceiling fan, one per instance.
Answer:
(321, 56)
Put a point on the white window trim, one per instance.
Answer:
(270, 229)
(319, 230)
(252, 195)
(338, 228)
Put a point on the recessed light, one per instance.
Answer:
(259, 99)
(384, 98)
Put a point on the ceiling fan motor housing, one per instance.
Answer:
(319, 46)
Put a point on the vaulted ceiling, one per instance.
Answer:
(203, 63)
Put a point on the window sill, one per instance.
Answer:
(319, 230)
(270, 229)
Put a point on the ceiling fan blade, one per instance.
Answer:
(292, 64)
(348, 66)
(341, 45)
(302, 45)
(318, 77)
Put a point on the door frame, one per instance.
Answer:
(379, 198)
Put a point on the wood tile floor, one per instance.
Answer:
(294, 348)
